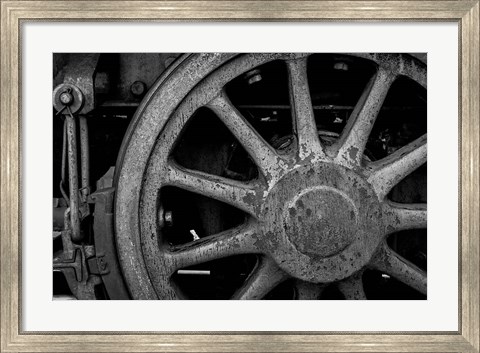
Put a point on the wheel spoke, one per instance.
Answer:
(352, 141)
(389, 171)
(236, 241)
(264, 156)
(264, 277)
(352, 287)
(386, 260)
(239, 194)
(404, 216)
(302, 110)
(308, 291)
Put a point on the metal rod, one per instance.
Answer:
(64, 162)
(84, 157)
(194, 272)
(73, 177)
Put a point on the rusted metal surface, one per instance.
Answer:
(302, 111)
(399, 64)
(106, 181)
(74, 102)
(80, 72)
(352, 287)
(84, 157)
(67, 100)
(262, 153)
(149, 120)
(73, 178)
(317, 213)
(73, 264)
(136, 72)
(240, 240)
(350, 147)
(388, 172)
(264, 277)
(105, 251)
(387, 261)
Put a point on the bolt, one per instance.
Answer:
(138, 88)
(66, 98)
(285, 144)
(341, 66)
(282, 143)
(165, 218)
(253, 76)
(168, 217)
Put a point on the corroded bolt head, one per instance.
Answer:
(254, 79)
(138, 88)
(253, 76)
(66, 98)
(341, 66)
(168, 217)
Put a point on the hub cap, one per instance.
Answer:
(321, 222)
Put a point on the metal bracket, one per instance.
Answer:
(98, 265)
(74, 265)
(107, 263)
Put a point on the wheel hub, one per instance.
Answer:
(322, 222)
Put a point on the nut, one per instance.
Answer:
(66, 98)
(138, 88)
(168, 217)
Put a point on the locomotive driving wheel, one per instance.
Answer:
(316, 212)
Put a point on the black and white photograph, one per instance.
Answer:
(239, 176)
(242, 176)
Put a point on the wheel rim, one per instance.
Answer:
(296, 235)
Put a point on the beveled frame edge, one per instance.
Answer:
(466, 13)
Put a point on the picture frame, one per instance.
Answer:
(465, 13)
